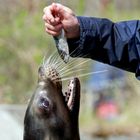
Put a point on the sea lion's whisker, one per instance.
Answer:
(57, 65)
(55, 58)
(60, 64)
(70, 62)
(76, 59)
(83, 62)
(66, 66)
(61, 67)
(47, 61)
(82, 75)
(70, 72)
(51, 63)
(56, 61)
(51, 60)
(75, 50)
(43, 62)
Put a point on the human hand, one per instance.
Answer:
(58, 17)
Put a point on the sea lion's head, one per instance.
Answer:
(52, 114)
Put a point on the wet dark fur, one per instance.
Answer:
(56, 121)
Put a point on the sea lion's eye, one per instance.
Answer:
(45, 103)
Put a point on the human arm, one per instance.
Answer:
(117, 44)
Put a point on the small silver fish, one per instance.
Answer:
(62, 46)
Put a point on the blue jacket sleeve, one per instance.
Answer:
(117, 44)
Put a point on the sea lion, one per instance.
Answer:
(51, 115)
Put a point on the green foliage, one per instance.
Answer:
(81, 7)
(22, 43)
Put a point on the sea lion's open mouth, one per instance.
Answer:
(73, 85)
(70, 94)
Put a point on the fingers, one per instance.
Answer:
(53, 25)
(56, 12)
(48, 16)
(53, 30)
(53, 33)
(51, 15)
(53, 21)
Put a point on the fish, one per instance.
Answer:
(62, 46)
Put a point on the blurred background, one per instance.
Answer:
(109, 102)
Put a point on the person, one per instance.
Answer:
(116, 44)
